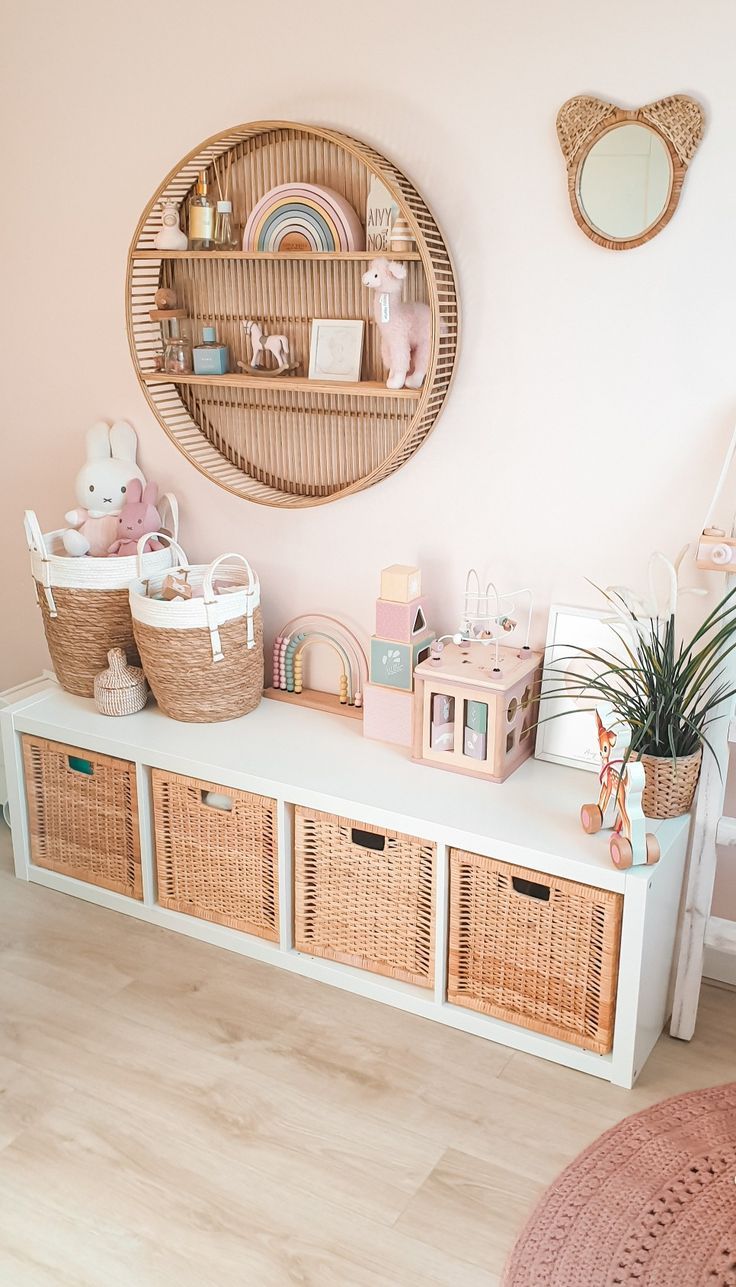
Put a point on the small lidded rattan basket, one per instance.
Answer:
(121, 689)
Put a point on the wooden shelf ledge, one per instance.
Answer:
(296, 384)
(344, 255)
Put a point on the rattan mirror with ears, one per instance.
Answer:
(625, 169)
(287, 440)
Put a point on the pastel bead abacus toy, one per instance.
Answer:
(295, 640)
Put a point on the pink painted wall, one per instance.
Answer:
(594, 394)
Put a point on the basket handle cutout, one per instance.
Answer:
(217, 800)
(79, 765)
(531, 889)
(368, 839)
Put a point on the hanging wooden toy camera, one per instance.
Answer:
(716, 549)
(476, 698)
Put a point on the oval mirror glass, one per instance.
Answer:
(625, 181)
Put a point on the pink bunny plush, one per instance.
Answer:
(404, 328)
(139, 516)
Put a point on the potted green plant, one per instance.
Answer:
(668, 693)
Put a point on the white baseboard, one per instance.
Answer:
(719, 961)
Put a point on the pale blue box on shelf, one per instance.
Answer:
(211, 358)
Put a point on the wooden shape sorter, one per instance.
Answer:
(474, 709)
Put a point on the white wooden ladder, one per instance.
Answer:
(710, 828)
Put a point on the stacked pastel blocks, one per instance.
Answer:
(401, 641)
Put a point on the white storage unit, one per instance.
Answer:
(302, 757)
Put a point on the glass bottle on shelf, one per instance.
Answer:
(201, 218)
(226, 237)
(177, 351)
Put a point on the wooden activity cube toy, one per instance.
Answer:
(475, 709)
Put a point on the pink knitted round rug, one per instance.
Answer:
(652, 1202)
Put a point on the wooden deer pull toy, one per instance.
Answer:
(630, 845)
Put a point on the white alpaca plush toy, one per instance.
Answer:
(101, 488)
(404, 328)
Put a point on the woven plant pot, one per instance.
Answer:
(670, 784)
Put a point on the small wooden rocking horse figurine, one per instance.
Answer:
(276, 345)
(630, 845)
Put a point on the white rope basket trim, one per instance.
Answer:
(52, 566)
(206, 613)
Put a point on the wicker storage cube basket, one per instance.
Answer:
(203, 657)
(215, 862)
(364, 896)
(85, 604)
(83, 814)
(534, 950)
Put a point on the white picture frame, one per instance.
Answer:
(336, 350)
(571, 738)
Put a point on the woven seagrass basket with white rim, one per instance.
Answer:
(203, 657)
(84, 601)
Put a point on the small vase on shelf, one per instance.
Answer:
(226, 237)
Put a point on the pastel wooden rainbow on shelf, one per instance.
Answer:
(303, 217)
(298, 637)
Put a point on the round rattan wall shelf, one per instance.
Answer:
(288, 440)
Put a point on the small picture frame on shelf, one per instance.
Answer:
(566, 732)
(336, 350)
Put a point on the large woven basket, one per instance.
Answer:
(364, 896)
(534, 950)
(670, 784)
(84, 602)
(202, 657)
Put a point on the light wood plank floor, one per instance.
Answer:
(171, 1114)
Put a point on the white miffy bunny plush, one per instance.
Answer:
(101, 486)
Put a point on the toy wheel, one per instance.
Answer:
(653, 850)
(622, 855)
(591, 818)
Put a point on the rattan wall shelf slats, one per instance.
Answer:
(339, 255)
(363, 389)
(289, 441)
